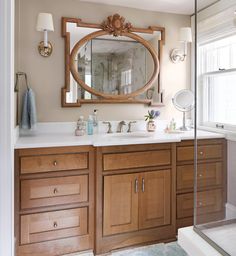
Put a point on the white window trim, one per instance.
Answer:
(226, 127)
(216, 10)
(7, 127)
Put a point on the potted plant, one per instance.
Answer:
(150, 117)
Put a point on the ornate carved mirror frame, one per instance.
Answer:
(115, 26)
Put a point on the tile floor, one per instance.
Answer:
(171, 249)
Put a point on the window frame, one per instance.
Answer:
(201, 91)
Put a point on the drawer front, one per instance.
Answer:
(207, 202)
(185, 205)
(53, 225)
(50, 163)
(136, 159)
(209, 174)
(54, 191)
(204, 152)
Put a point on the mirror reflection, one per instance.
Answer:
(112, 65)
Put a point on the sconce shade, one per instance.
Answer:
(45, 22)
(185, 35)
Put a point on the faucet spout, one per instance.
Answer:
(120, 126)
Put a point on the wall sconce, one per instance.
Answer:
(185, 37)
(45, 24)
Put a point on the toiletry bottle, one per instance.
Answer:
(95, 121)
(172, 124)
(81, 127)
(90, 125)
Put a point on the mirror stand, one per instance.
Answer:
(184, 127)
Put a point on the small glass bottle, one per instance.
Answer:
(81, 127)
(90, 125)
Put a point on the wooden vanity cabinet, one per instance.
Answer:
(143, 194)
(54, 191)
(135, 195)
(211, 181)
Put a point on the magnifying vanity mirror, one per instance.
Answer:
(184, 102)
(112, 62)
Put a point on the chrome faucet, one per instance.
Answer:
(130, 125)
(120, 126)
(109, 127)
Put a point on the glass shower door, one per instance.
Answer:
(215, 112)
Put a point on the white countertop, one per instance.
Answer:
(98, 140)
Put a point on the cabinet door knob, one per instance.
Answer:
(201, 153)
(55, 191)
(55, 163)
(55, 224)
(200, 203)
(200, 175)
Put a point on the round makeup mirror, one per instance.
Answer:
(184, 102)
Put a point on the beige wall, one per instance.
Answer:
(46, 75)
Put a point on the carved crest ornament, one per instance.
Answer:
(115, 25)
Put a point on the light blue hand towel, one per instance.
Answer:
(28, 116)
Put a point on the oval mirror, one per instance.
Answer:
(114, 67)
(184, 102)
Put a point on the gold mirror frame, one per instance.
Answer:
(115, 26)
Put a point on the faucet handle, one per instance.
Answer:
(109, 127)
(129, 125)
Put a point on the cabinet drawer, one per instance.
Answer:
(136, 159)
(53, 225)
(54, 191)
(186, 153)
(207, 202)
(50, 163)
(209, 174)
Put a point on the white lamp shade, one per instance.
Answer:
(45, 22)
(185, 35)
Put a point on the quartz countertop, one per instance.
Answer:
(99, 140)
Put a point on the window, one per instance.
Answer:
(217, 88)
(126, 81)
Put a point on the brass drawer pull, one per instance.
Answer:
(55, 224)
(55, 191)
(136, 186)
(55, 163)
(143, 185)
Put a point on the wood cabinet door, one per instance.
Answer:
(120, 204)
(154, 199)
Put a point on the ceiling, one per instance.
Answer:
(171, 6)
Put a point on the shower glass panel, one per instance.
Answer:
(215, 111)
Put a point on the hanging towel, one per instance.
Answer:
(28, 116)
